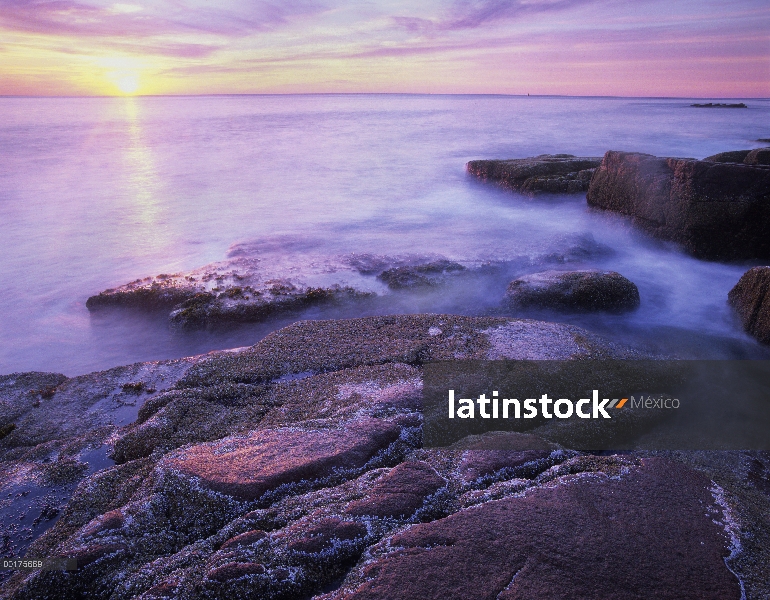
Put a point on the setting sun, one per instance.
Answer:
(127, 83)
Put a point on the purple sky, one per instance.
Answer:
(703, 48)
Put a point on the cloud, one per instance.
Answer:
(477, 13)
(125, 19)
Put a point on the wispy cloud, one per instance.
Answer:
(74, 18)
(331, 45)
(478, 13)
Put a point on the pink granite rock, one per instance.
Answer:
(248, 467)
(646, 534)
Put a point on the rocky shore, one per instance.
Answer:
(295, 468)
(555, 173)
(714, 208)
(717, 208)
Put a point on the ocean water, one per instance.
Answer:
(97, 192)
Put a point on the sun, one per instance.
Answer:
(127, 83)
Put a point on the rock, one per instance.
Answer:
(186, 418)
(273, 471)
(480, 463)
(111, 520)
(155, 296)
(428, 274)
(735, 156)
(325, 533)
(399, 493)
(574, 290)
(556, 173)
(751, 300)
(411, 339)
(759, 156)
(714, 210)
(249, 467)
(569, 540)
(234, 570)
(720, 105)
(90, 554)
(244, 539)
(212, 296)
(239, 305)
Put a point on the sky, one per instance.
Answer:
(683, 48)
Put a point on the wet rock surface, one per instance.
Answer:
(295, 469)
(555, 173)
(751, 300)
(717, 210)
(588, 290)
(57, 431)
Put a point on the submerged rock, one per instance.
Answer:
(751, 300)
(720, 105)
(424, 275)
(574, 290)
(556, 173)
(714, 210)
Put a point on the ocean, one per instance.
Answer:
(97, 192)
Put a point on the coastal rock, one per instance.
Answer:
(425, 275)
(733, 156)
(325, 533)
(481, 463)
(246, 305)
(751, 300)
(195, 306)
(306, 473)
(153, 297)
(410, 339)
(399, 493)
(244, 539)
(248, 467)
(720, 105)
(519, 548)
(714, 210)
(574, 290)
(758, 156)
(240, 289)
(234, 570)
(556, 173)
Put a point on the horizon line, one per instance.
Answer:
(490, 94)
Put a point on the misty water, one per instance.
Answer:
(97, 192)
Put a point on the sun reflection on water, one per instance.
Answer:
(142, 182)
